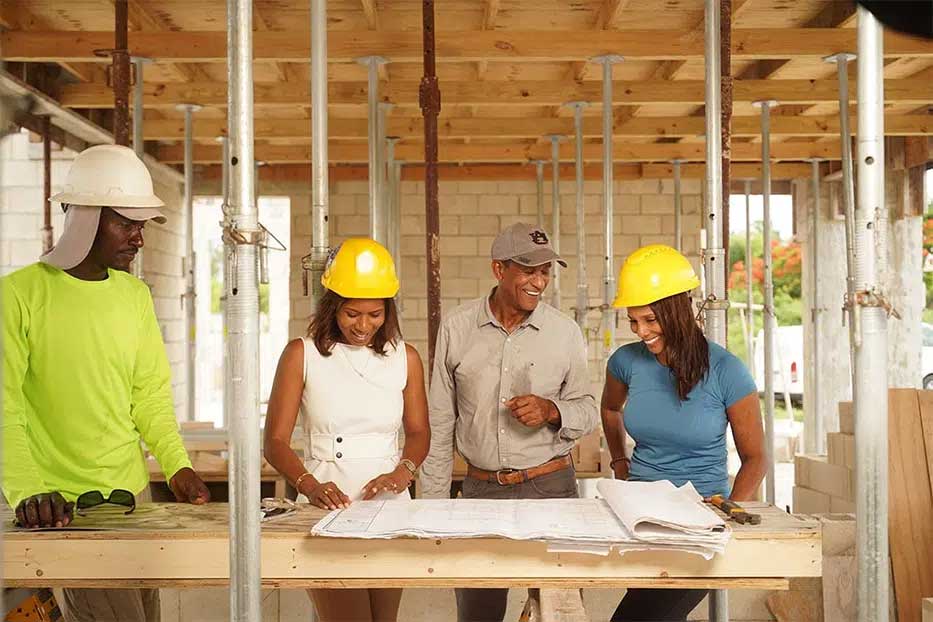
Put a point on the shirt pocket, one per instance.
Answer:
(538, 377)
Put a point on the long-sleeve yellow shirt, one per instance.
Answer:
(85, 377)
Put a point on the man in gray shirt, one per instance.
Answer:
(510, 388)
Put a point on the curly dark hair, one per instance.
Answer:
(325, 332)
(685, 344)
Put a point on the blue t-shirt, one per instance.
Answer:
(674, 440)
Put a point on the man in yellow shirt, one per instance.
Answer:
(85, 374)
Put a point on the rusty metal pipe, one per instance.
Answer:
(429, 98)
(121, 75)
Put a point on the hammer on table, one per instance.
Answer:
(735, 511)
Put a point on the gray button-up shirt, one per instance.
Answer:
(478, 366)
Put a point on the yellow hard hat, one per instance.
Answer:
(651, 273)
(361, 268)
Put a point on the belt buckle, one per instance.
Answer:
(499, 476)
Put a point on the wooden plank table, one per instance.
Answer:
(177, 545)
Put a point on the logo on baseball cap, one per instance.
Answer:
(526, 245)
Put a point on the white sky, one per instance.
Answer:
(782, 221)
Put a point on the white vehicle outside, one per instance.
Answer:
(788, 361)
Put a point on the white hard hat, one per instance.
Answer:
(101, 176)
(109, 176)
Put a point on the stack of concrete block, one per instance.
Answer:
(827, 483)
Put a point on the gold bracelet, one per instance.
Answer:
(612, 463)
(299, 480)
(410, 465)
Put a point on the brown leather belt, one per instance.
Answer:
(510, 477)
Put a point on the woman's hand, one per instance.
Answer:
(620, 468)
(394, 482)
(327, 496)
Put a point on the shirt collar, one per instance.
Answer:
(486, 316)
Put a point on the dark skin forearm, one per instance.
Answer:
(283, 459)
(748, 479)
(745, 420)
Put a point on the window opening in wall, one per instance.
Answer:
(274, 303)
(788, 336)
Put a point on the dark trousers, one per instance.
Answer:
(657, 605)
(489, 604)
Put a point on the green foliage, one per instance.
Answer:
(927, 251)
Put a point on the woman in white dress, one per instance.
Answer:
(355, 383)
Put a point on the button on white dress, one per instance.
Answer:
(351, 412)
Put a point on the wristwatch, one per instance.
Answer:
(408, 464)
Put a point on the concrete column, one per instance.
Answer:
(904, 282)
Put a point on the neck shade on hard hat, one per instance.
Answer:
(100, 176)
(361, 268)
(651, 273)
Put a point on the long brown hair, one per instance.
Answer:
(325, 332)
(685, 345)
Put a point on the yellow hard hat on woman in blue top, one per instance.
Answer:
(361, 268)
(651, 273)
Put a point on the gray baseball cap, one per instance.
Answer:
(526, 245)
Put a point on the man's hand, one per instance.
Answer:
(48, 509)
(533, 411)
(189, 488)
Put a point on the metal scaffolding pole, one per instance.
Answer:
(841, 60)
(224, 206)
(314, 263)
(382, 177)
(555, 216)
(768, 312)
(396, 238)
(678, 208)
(814, 435)
(714, 257)
(539, 177)
(139, 144)
(608, 319)
(392, 215)
(242, 322)
(749, 297)
(47, 184)
(871, 353)
(189, 298)
(583, 297)
(376, 211)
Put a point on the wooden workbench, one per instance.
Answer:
(177, 545)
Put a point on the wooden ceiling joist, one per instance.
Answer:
(484, 127)
(476, 152)
(518, 172)
(452, 46)
(498, 93)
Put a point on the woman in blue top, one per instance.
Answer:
(680, 391)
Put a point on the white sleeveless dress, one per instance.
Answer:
(351, 412)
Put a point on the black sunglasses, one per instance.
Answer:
(118, 496)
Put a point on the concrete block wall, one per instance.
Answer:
(902, 277)
(472, 213)
(21, 183)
